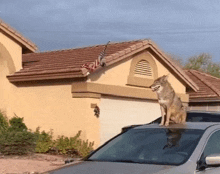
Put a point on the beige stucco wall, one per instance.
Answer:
(119, 75)
(10, 61)
(52, 107)
(14, 49)
(112, 76)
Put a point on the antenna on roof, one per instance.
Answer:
(101, 58)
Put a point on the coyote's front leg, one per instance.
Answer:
(167, 121)
(163, 114)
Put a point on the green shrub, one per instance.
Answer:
(74, 145)
(64, 143)
(16, 124)
(85, 148)
(3, 122)
(17, 143)
(15, 139)
(44, 141)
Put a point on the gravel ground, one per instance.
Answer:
(36, 163)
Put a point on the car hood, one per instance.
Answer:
(91, 167)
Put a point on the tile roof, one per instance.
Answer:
(63, 63)
(68, 63)
(27, 45)
(209, 87)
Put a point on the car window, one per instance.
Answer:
(150, 146)
(197, 117)
(202, 117)
(213, 144)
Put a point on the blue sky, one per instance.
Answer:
(183, 28)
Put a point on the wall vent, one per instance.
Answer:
(143, 68)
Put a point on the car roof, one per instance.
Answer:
(187, 125)
(204, 112)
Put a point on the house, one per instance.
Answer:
(68, 91)
(207, 98)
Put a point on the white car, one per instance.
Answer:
(191, 148)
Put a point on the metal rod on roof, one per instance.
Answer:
(101, 58)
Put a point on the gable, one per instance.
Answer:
(139, 70)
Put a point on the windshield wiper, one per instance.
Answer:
(125, 161)
(89, 160)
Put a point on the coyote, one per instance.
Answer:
(172, 109)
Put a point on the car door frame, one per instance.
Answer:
(196, 156)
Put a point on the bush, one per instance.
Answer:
(72, 146)
(15, 139)
(65, 144)
(16, 124)
(17, 143)
(3, 122)
(44, 141)
(85, 148)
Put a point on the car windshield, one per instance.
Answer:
(150, 146)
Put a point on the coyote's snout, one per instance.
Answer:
(172, 109)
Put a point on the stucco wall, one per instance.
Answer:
(52, 107)
(14, 49)
(112, 76)
(119, 75)
(10, 61)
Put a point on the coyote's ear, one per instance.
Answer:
(165, 77)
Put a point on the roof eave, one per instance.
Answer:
(207, 98)
(202, 100)
(46, 76)
(178, 71)
(28, 46)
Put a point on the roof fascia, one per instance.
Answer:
(26, 44)
(146, 44)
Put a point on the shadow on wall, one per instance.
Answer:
(6, 57)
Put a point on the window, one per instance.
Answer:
(150, 146)
(212, 147)
(213, 144)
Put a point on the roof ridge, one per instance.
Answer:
(204, 73)
(213, 88)
(116, 56)
(133, 47)
(89, 46)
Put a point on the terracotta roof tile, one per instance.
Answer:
(69, 60)
(68, 63)
(209, 86)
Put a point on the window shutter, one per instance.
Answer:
(143, 68)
